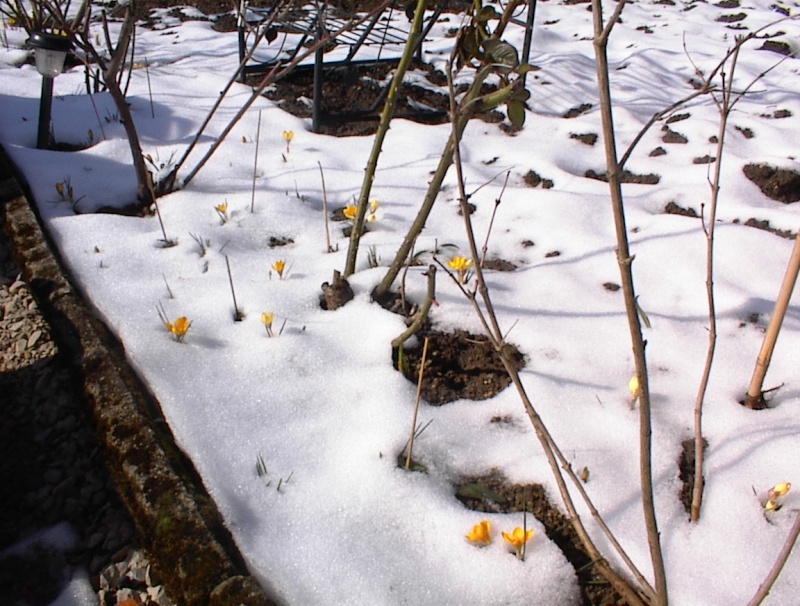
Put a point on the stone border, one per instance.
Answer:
(181, 528)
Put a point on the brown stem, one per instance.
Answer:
(783, 556)
(708, 226)
(755, 397)
(624, 260)
(416, 404)
(552, 452)
(144, 192)
(380, 136)
(422, 314)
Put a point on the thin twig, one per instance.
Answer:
(149, 88)
(416, 403)
(624, 261)
(422, 314)
(237, 314)
(497, 201)
(328, 247)
(783, 556)
(255, 164)
(489, 321)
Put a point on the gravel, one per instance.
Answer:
(53, 473)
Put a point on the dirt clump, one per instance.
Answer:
(779, 184)
(458, 365)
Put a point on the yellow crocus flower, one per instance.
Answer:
(774, 496)
(480, 533)
(780, 489)
(222, 211)
(267, 319)
(179, 328)
(288, 135)
(279, 267)
(460, 265)
(518, 538)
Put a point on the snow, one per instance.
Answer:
(334, 520)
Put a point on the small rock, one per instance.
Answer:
(34, 338)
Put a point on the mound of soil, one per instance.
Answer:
(353, 97)
(778, 184)
(458, 365)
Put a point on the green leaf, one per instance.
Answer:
(467, 45)
(496, 98)
(414, 466)
(487, 13)
(642, 315)
(480, 493)
(521, 94)
(401, 360)
(516, 113)
(501, 52)
(523, 68)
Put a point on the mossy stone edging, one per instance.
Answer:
(180, 526)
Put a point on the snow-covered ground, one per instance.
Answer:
(322, 406)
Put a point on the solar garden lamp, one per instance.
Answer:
(50, 51)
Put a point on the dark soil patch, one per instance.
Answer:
(731, 17)
(704, 160)
(494, 493)
(611, 286)
(577, 111)
(686, 464)
(765, 226)
(279, 241)
(533, 179)
(670, 136)
(499, 265)
(728, 4)
(587, 138)
(778, 114)
(779, 184)
(658, 151)
(353, 96)
(747, 133)
(776, 46)
(674, 209)
(677, 118)
(756, 320)
(397, 304)
(458, 365)
(626, 177)
(471, 208)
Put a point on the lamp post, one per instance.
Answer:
(50, 51)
